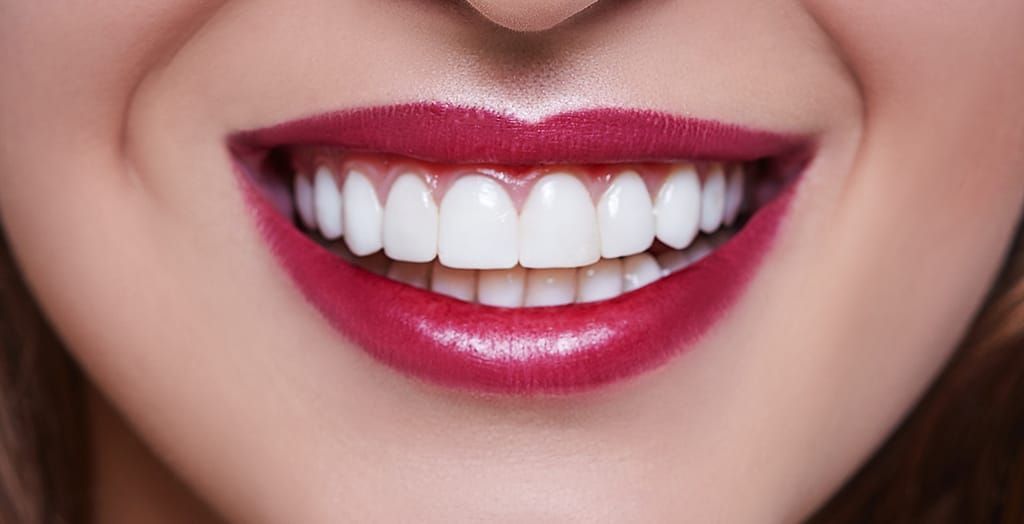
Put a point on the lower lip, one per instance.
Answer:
(520, 351)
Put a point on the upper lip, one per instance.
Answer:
(528, 350)
(452, 134)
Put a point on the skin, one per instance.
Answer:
(219, 390)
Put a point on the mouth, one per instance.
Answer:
(478, 251)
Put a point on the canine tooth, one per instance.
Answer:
(625, 217)
(303, 191)
(327, 204)
(677, 207)
(558, 226)
(413, 274)
(479, 227)
(456, 283)
(599, 281)
(502, 287)
(672, 261)
(363, 215)
(734, 194)
(638, 271)
(550, 287)
(712, 203)
(410, 221)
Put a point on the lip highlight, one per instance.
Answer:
(529, 350)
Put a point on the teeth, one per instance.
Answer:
(559, 249)
(638, 271)
(672, 261)
(625, 217)
(558, 227)
(479, 227)
(416, 275)
(600, 281)
(502, 287)
(303, 189)
(410, 221)
(550, 287)
(700, 249)
(456, 283)
(377, 263)
(712, 204)
(677, 210)
(327, 203)
(363, 215)
(734, 194)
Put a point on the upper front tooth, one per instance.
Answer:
(625, 217)
(712, 205)
(639, 270)
(558, 225)
(479, 227)
(600, 281)
(677, 210)
(734, 194)
(410, 221)
(327, 203)
(363, 215)
(303, 190)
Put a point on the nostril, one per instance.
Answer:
(529, 15)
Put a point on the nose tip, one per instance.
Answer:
(529, 15)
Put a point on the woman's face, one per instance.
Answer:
(137, 227)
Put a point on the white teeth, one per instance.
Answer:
(328, 204)
(303, 189)
(560, 249)
(625, 217)
(558, 227)
(502, 287)
(734, 194)
(363, 215)
(712, 204)
(638, 271)
(700, 249)
(677, 210)
(410, 221)
(550, 287)
(456, 283)
(600, 281)
(672, 261)
(416, 275)
(479, 227)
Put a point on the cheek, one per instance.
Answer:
(938, 181)
(69, 74)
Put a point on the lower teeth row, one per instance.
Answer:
(521, 287)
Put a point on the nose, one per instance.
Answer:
(529, 15)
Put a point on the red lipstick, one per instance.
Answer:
(530, 350)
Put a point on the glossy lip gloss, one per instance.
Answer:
(530, 350)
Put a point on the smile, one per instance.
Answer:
(478, 251)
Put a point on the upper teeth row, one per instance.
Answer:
(477, 225)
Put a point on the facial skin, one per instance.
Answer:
(117, 195)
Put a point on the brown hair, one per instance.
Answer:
(957, 458)
(43, 437)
